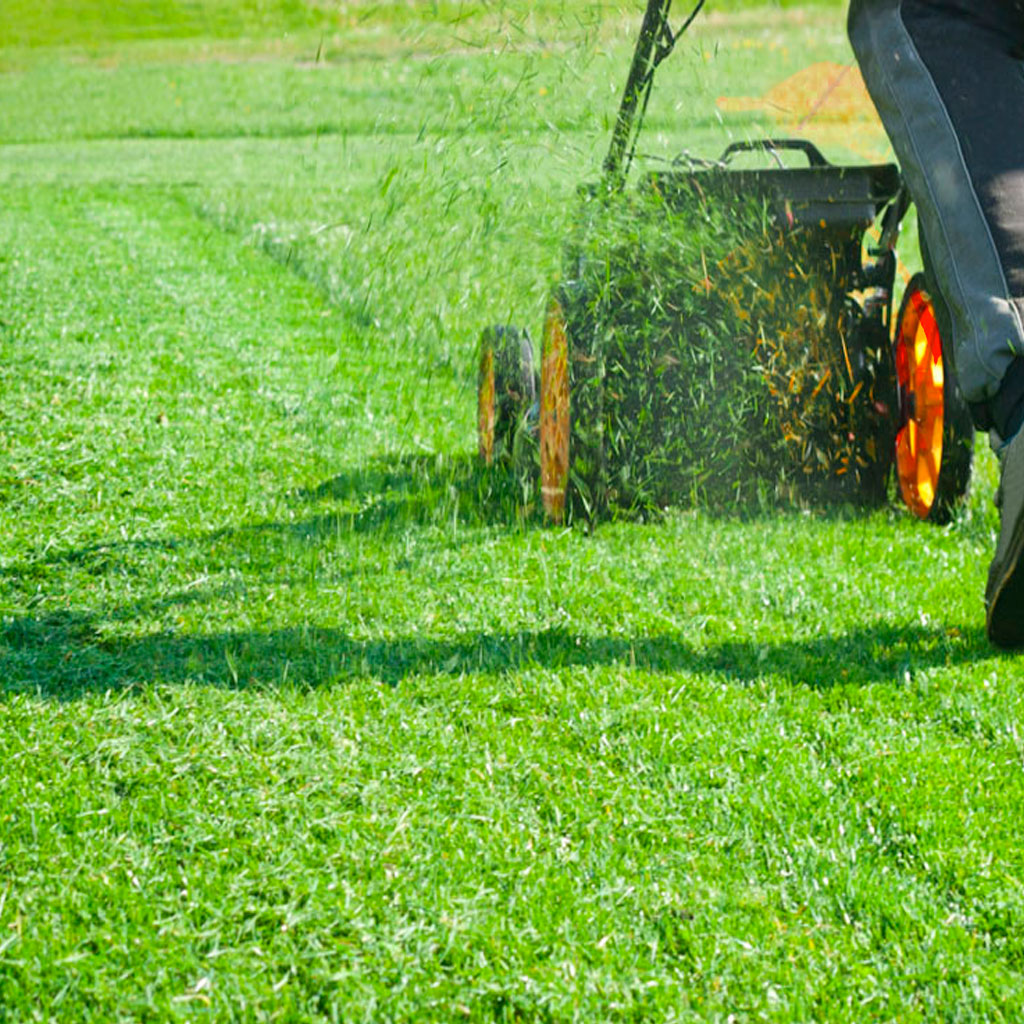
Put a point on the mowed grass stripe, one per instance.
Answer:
(178, 346)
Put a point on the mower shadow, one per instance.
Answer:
(408, 487)
(388, 496)
(65, 656)
(389, 493)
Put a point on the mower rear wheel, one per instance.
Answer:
(935, 439)
(554, 412)
(506, 390)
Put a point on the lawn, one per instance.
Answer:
(303, 715)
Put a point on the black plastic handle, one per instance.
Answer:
(814, 155)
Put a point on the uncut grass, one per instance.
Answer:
(547, 803)
(299, 718)
(486, 147)
(534, 848)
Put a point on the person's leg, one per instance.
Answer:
(948, 80)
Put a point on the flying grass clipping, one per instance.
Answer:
(712, 355)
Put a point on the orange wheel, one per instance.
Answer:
(935, 439)
(554, 413)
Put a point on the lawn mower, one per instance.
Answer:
(729, 316)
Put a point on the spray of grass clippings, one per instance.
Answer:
(713, 359)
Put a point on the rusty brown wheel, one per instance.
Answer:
(486, 412)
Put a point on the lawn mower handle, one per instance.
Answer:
(654, 26)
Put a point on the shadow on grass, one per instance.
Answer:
(65, 656)
(426, 489)
(383, 498)
(388, 496)
(413, 488)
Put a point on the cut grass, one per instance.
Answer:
(302, 718)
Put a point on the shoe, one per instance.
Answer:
(1004, 595)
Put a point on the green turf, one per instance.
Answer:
(303, 716)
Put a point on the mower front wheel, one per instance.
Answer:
(935, 439)
(554, 412)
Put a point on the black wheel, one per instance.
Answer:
(935, 439)
(506, 392)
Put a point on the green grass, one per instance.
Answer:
(302, 716)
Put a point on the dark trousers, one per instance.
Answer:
(947, 77)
